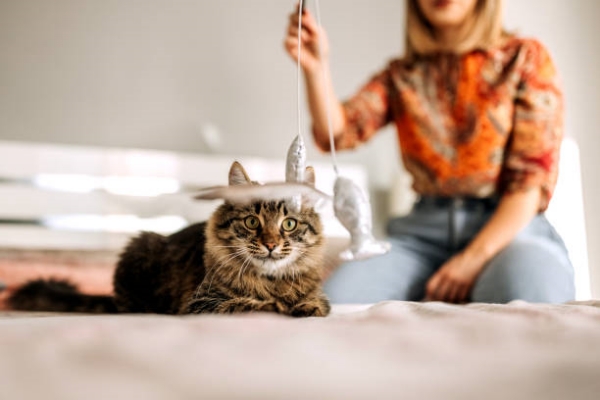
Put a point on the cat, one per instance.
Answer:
(259, 256)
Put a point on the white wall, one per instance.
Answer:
(153, 73)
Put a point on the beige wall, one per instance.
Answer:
(157, 73)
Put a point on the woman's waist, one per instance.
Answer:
(457, 202)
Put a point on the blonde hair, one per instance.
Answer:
(484, 30)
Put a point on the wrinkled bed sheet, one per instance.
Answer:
(397, 350)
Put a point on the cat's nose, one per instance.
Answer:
(270, 246)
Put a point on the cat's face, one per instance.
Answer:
(264, 235)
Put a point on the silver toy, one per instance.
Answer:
(353, 210)
(295, 167)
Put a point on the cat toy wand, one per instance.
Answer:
(351, 206)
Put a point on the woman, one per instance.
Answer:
(479, 116)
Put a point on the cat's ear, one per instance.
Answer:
(309, 176)
(237, 175)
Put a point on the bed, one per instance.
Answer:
(387, 350)
(396, 350)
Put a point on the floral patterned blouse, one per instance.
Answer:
(474, 125)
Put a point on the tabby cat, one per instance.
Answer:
(254, 257)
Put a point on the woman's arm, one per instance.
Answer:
(319, 90)
(514, 212)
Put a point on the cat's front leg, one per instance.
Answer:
(202, 305)
(312, 307)
(244, 304)
(205, 305)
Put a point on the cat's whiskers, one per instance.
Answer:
(231, 256)
(244, 266)
(294, 269)
(222, 261)
(293, 280)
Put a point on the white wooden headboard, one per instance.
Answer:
(71, 197)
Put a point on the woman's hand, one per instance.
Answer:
(454, 280)
(312, 38)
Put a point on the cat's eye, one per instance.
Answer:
(251, 222)
(289, 224)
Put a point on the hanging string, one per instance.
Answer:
(300, 8)
(328, 96)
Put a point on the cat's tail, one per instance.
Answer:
(58, 296)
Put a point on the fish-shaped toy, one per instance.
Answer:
(352, 208)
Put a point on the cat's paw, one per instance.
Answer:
(244, 305)
(271, 306)
(315, 308)
(202, 305)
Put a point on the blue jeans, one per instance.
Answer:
(534, 267)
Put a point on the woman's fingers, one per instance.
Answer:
(291, 45)
(454, 293)
(463, 295)
(315, 47)
(432, 287)
(293, 32)
(444, 291)
(442, 288)
(308, 22)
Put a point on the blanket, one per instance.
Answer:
(390, 350)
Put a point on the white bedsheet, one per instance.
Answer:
(397, 350)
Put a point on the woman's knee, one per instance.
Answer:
(534, 270)
(395, 276)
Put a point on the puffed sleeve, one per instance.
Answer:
(533, 150)
(365, 113)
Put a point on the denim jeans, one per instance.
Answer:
(534, 267)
